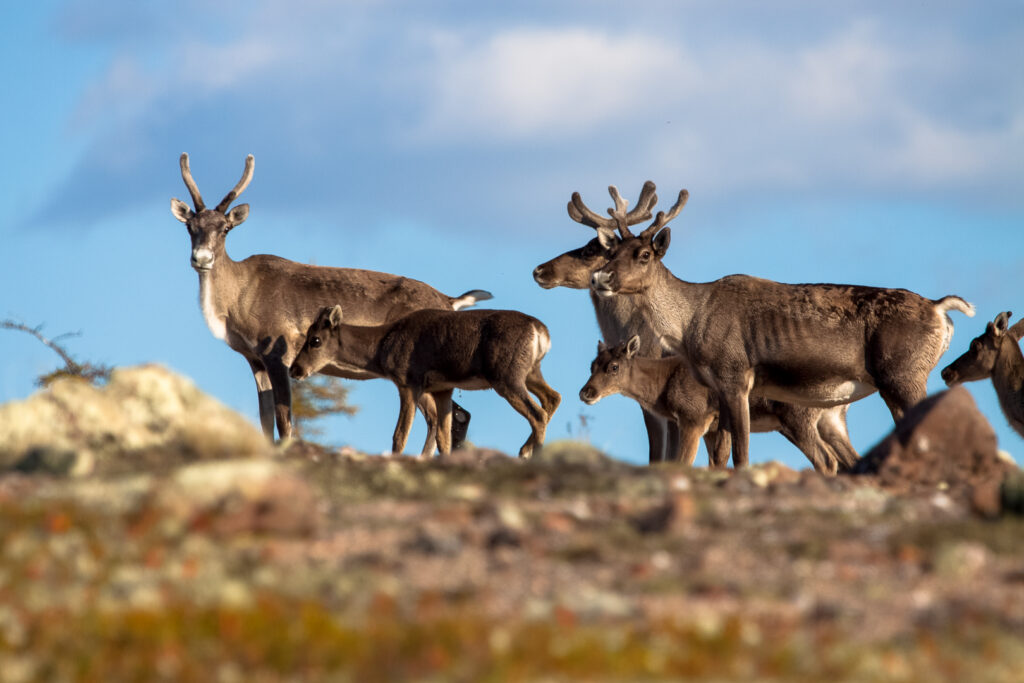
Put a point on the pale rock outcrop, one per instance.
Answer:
(143, 415)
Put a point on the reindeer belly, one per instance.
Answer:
(820, 394)
(763, 423)
(437, 382)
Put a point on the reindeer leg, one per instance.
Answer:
(832, 428)
(799, 425)
(549, 398)
(672, 439)
(719, 444)
(265, 394)
(460, 425)
(689, 442)
(406, 412)
(734, 405)
(282, 390)
(657, 450)
(428, 407)
(520, 400)
(443, 401)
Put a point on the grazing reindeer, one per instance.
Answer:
(666, 386)
(617, 317)
(996, 354)
(262, 306)
(436, 351)
(811, 344)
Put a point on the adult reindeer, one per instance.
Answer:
(618, 318)
(810, 344)
(262, 306)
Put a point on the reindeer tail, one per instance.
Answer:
(948, 303)
(470, 298)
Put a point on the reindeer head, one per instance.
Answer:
(979, 361)
(633, 259)
(573, 268)
(322, 340)
(609, 370)
(209, 227)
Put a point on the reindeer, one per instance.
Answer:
(263, 305)
(618, 318)
(436, 351)
(665, 386)
(996, 354)
(819, 345)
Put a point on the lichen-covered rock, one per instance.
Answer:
(241, 496)
(942, 441)
(145, 413)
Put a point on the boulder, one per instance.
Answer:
(143, 415)
(942, 441)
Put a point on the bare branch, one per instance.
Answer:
(35, 332)
(72, 368)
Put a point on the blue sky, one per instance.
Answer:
(871, 143)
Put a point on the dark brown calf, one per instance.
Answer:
(434, 352)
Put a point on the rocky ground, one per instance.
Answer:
(152, 557)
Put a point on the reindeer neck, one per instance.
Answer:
(619, 318)
(359, 344)
(648, 379)
(668, 303)
(1008, 380)
(219, 289)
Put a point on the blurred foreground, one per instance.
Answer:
(152, 557)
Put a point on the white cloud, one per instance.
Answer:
(538, 83)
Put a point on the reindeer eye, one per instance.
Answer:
(315, 342)
(614, 367)
(645, 255)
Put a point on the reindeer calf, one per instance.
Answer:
(996, 354)
(665, 386)
(436, 351)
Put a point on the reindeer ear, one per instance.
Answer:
(601, 346)
(1000, 324)
(660, 242)
(633, 346)
(607, 238)
(181, 210)
(334, 317)
(237, 215)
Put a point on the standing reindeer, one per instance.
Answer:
(618, 317)
(263, 305)
(811, 344)
(433, 351)
(996, 354)
(666, 386)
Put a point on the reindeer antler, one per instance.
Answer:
(186, 175)
(579, 212)
(240, 187)
(663, 218)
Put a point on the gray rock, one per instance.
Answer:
(142, 412)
